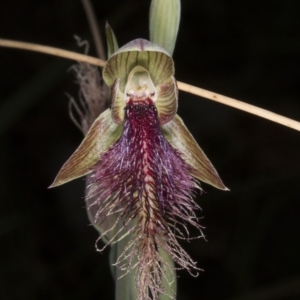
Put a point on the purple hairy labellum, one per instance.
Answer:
(149, 171)
(143, 168)
(144, 178)
(143, 175)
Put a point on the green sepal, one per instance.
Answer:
(103, 133)
(182, 140)
(112, 44)
(164, 23)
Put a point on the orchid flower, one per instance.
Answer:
(143, 164)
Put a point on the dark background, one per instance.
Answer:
(249, 50)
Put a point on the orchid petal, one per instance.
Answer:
(181, 139)
(167, 102)
(102, 134)
(142, 53)
(112, 44)
(117, 103)
(159, 64)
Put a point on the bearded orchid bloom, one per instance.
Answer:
(143, 166)
(142, 160)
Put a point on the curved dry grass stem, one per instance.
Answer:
(263, 113)
(52, 51)
(251, 109)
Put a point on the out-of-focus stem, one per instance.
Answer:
(94, 28)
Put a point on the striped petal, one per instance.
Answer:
(102, 134)
(112, 44)
(181, 139)
(142, 54)
(167, 101)
(117, 103)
